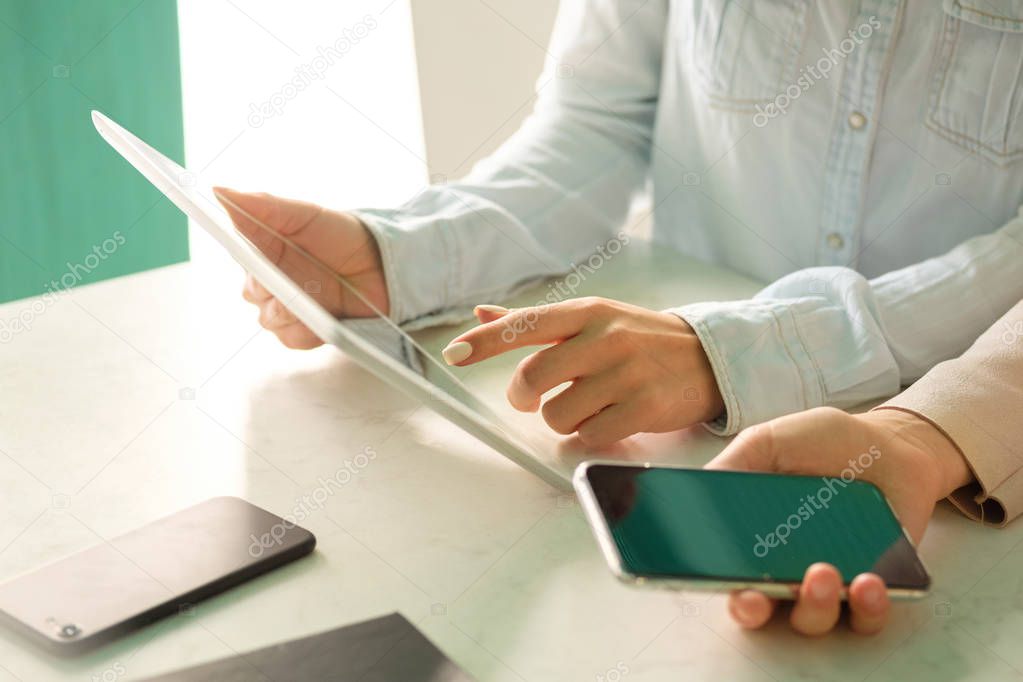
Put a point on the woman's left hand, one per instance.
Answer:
(631, 369)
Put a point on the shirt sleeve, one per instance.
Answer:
(829, 336)
(976, 400)
(552, 194)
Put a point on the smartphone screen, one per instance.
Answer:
(750, 527)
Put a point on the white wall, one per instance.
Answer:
(478, 62)
(355, 137)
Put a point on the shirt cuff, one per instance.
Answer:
(761, 366)
(385, 337)
(419, 260)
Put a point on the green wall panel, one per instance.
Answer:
(68, 202)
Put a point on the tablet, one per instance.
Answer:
(197, 201)
(384, 649)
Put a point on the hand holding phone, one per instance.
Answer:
(910, 460)
(915, 466)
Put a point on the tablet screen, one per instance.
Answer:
(440, 388)
(470, 397)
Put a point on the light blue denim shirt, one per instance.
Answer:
(865, 157)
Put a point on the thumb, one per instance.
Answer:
(752, 450)
(252, 213)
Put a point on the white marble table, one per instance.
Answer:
(133, 398)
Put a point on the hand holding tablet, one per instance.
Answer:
(341, 241)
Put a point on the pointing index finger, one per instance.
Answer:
(536, 325)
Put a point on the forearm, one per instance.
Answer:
(976, 400)
(547, 201)
(558, 190)
(829, 336)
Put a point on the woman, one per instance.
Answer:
(846, 158)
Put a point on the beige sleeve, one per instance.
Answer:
(977, 401)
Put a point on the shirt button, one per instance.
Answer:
(857, 120)
(835, 241)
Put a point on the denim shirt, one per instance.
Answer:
(866, 158)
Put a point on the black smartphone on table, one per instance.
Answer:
(92, 597)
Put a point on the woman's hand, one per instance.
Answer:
(912, 463)
(630, 369)
(339, 240)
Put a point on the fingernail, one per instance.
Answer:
(456, 352)
(821, 590)
(492, 309)
(873, 594)
(226, 194)
(745, 603)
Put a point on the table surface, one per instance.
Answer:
(133, 398)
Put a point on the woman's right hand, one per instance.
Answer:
(337, 239)
(907, 457)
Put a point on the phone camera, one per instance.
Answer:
(69, 631)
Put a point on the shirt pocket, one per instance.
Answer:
(743, 53)
(976, 94)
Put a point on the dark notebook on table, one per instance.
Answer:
(386, 649)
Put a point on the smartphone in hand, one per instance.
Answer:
(681, 528)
